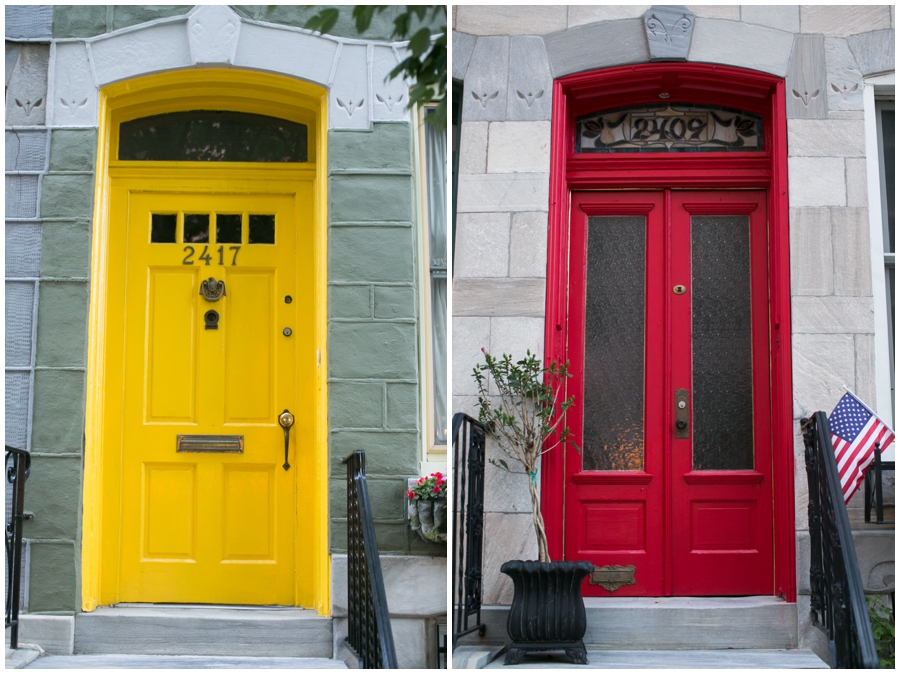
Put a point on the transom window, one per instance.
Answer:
(669, 127)
(213, 136)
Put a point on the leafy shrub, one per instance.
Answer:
(881, 616)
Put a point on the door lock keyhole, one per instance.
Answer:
(211, 318)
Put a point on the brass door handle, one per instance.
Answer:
(682, 414)
(286, 420)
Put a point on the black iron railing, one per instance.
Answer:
(18, 465)
(873, 495)
(369, 623)
(837, 602)
(468, 524)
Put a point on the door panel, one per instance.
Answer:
(669, 292)
(721, 475)
(202, 522)
(249, 345)
(614, 486)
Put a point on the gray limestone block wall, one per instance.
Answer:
(833, 342)
(372, 327)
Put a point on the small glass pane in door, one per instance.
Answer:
(196, 228)
(722, 350)
(614, 344)
(228, 228)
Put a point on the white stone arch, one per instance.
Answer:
(353, 71)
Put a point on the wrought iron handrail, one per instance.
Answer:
(837, 602)
(369, 622)
(468, 524)
(873, 487)
(18, 467)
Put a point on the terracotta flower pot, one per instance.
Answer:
(547, 611)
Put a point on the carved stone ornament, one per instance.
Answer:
(213, 33)
(669, 29)
(612, 577)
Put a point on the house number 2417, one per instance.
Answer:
(206, 257)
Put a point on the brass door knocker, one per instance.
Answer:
(212, 290)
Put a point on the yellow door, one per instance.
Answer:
(218, 317)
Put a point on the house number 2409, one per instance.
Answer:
(206, 257)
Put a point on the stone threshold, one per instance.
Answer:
(110, 661)
(671, 659)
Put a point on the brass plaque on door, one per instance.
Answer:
(222, 444)
(612, 577)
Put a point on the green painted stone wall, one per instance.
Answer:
(91, 20)
(57, 437)
(373, 344)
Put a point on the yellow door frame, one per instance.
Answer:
(216, 89)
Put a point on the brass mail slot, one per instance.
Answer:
(226, 444)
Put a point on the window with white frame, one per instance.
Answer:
(433, 157)
(884, 117)
(879, 115)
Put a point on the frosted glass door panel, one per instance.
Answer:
(722, 349)
(614, 343)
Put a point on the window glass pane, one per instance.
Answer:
(436, 170)
(614, 344)
(196, 228)
(887, 139)
(262, 229)
(162, 228)
(669, 127)
(228, 228)
(884, 110)
(722, 357)
(456, 119)
(213, 135)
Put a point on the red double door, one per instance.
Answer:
(668, 339)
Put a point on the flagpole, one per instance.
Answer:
(873, 412)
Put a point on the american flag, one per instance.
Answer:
(854, 432)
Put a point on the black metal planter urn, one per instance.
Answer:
(547, 612)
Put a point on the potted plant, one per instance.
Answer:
(525, 416)
(427, 508)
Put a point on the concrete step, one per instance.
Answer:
(676, 623)
(207, 631)
(695, 623)
(21, 657)
(476, 657)
(179, 662)
(676, 659)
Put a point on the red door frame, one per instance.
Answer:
(582, 93)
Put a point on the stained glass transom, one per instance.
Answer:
(213, 135)
(669, 127)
